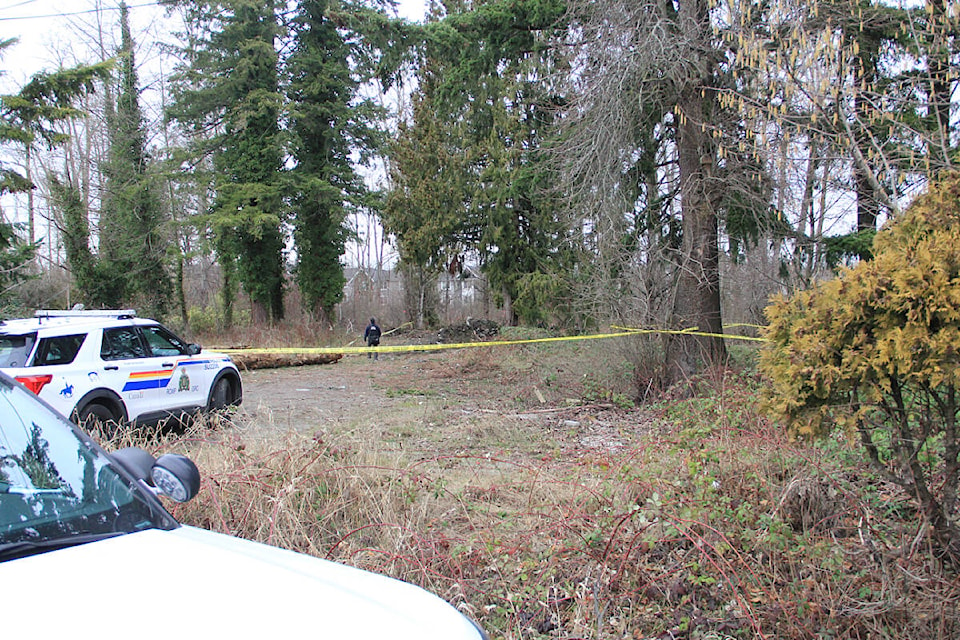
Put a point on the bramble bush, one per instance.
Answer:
(874, 352)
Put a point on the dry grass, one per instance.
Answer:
(693, 519)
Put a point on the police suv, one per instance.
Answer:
(111, 366)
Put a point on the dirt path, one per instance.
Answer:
(354, 390)
(430, 403)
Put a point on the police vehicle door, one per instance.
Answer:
(189, 377)
(129, 370)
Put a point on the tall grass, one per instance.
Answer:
(692, 519)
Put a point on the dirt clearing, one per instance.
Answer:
(447, 395)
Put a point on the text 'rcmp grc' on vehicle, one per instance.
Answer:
(111, 366)
(88, 551)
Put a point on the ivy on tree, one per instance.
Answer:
(132, 242)
(329, 122)
(229, 96)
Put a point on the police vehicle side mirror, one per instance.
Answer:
(176, 477)
(193, 349)
(134, 461)
(172, 474)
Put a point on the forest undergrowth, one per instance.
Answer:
(588, 516)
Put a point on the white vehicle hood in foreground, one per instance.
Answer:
(191, 583)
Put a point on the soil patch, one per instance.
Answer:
(433, 401)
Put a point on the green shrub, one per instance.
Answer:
(209, 320)
(204, 319)
(875, 352)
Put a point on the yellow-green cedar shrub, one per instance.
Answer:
(875, 352)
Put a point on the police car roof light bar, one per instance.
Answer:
(91, 313)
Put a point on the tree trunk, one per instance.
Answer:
(941, 87)
(697, 297)
(228, 291)
(259, 313)
(420, 319)
(508, 318)
(28, 173)
(865, 74)
(181, 291)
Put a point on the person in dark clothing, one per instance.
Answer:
(372, 336)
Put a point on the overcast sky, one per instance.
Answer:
(52, 32)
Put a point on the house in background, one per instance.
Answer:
(379, 292)
(468, 288)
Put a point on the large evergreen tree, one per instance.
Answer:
(425, 209)
(26, 117)
(486, 106)
(132, 246)
(524, 250)
(327, 123)
(643, 134)
(228, 95)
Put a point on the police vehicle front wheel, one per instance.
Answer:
(222, 394)
(96, 416)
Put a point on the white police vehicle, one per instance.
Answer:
(87, 550)
(110, 366)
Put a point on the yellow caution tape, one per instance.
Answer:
(745, 324)
(406, 348)
(693, 331)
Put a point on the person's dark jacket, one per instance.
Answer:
(372, 334)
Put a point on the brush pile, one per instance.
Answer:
(472, 330)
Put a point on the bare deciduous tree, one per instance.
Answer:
(638, 149)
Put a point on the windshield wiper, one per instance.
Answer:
(23, 548)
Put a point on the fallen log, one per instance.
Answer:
(254, 360)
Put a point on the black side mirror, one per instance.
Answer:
(172, 474)
(193, 349)
(134, 461)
